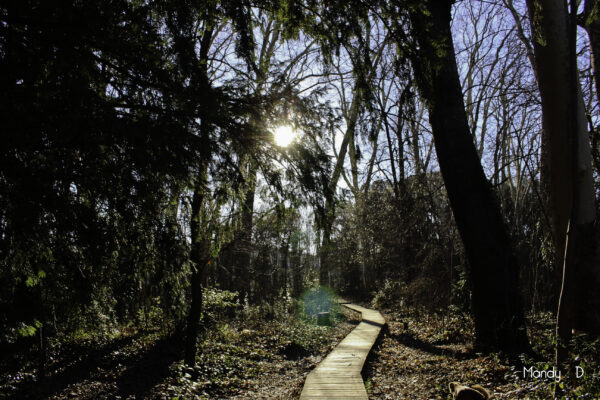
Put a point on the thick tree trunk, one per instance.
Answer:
(591, 279)
(571, 182)
(498, 314)
(552, 69)
(591, 23)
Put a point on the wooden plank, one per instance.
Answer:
(338, 375)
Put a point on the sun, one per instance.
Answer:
(284, 135)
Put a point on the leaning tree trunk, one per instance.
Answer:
(497, 309)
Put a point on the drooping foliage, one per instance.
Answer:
(139, 176)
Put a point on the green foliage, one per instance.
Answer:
(88, 226)
(389, 296)
(236, 352)
(301, 339)
(28, 330)
(368, 385)
(35, 279)
(152, 315)
(585, 352)
(461, 292)
(109, 124)
(218, 304)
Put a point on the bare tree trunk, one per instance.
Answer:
(395, 177)
(591, 23)
(497, 309)
(544, 160)
(329, 212)
(400, 138)
(42, 334)
(199, 256)
(297, 274)
(570, 170)
(244, 245)
(285, 270)
(271, 33)
(200, 246)
(551, 63)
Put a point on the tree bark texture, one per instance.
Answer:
(572, 194)
(591, 23)
(244, 244)
(199, 256)
(497, 309)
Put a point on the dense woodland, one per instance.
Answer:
(444, 165)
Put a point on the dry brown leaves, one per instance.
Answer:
(417, 357)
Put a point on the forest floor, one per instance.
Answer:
(418, 355)
(264, 356)
(255, 357)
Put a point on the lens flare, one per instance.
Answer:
(284, 135)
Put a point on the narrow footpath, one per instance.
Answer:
(338, 375)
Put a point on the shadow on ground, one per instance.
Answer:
(409, 339)
(151, 368)
(106, 371)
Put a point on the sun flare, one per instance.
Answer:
(284, 135)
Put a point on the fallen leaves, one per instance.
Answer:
(420, 362)
(245, 358)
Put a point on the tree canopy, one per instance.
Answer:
(443, 157)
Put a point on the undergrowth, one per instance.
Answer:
(239, 345)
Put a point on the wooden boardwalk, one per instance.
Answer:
(338, 375)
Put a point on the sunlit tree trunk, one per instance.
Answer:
(329, 212)
(420, 161)
(497, 309)
(591, 23)
(571, 181)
